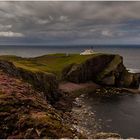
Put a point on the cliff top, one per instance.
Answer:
(51, 63)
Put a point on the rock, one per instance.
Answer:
(138, 75)
(87, 70)
(31, 134)
(103, 69)
(137, 80)
(129, 80)
(126, 79)
(45, 82)
(108, 92)
(109, 81)
(103, 135)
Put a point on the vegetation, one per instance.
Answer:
(52, 63)
(24, 114)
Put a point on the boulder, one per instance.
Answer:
(138, 75)
(103, 135)
(126, 79)
(109, 80)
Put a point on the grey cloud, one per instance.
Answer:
(5, 27)
(10, 34)
(61, 21)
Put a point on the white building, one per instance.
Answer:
(87, 52)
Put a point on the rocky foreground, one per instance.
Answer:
(24, 113)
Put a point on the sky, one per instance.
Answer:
(70, 23)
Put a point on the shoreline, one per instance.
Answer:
(80, 111)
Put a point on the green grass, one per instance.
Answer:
(52, 63)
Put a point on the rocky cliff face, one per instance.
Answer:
(45, 82)
(138, 75)
(102, 69)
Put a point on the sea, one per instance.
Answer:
(120, 114)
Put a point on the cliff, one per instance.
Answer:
(44, 82)
(46, 71)
(51, 63)
(103, 69)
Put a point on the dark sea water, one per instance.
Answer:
(120, 114)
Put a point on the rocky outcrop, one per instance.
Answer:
(138, 75)
(103, 135)
(87, 70)
(130, 80)
(45, 82)
(103, 69)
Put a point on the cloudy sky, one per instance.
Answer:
(60, 23)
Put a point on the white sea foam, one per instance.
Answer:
(133, 70)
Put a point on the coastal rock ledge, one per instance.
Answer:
(104, 69)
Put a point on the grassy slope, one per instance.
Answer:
(53, 63)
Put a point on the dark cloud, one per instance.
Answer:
(69, 22)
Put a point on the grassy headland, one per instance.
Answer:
(105, 69)
(51, 63)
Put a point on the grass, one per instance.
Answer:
(52, 63)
